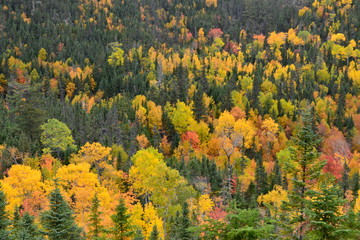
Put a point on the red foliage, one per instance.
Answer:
(20, 76)
(215, 33)
(336, 143)
(333, 166)
(192, 138)
(218, 213)
(35, 204)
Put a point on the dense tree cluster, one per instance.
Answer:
(206, 119)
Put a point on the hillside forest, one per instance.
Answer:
(179, 119)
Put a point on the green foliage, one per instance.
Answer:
(58, 222)
(95, 228)
(323, 213)
(24, 228)
(56, 136)
(154, 234)
(241, 224)
(122, 226)
(4, 220)
(117, 56)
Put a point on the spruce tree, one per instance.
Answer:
(4, 221)
(184, 233)
(260, 177)
(24, 228)
(122, 228)
(306, 169)
(95, 227)
(323, 212)
(58, 222)
(154, 234)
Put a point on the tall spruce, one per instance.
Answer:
(4, 220)
(95, 227)
(323, 213)
(184, 223)
(305, 170)
(122, 227)
(58, 222)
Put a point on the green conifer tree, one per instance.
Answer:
(305, 170)
(4, 221)
(58, 222)
(95, 227)
(24, 228)
(154, 234)
(323, 213)
(184, 233)
(122, 228)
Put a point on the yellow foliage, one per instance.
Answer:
(274, 199)
(248, 176)
(79, 186)
(91, 153)
(22, 182)
(211, 3)
(276, 39)
(303, 11)
(338, 37)
(205, 204)
(246, 129)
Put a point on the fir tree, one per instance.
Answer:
(154, 234)
(4, 221)
(95, 227)
(58, 222)
(122, 228)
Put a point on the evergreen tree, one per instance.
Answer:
(306, 169)
(122, 228)
(183, 230)
(154, 234)
(95, 227)
(323, 213)
(4, 221)
(260, 177)
(24, 228)
(58, 222)
(138, 235)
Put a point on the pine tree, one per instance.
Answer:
(4, 221)
(95, 227)
(154, 234)
(306, 170)
(58, 222)
(122, 228)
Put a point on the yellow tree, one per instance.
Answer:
(181, 117)
(273, 200)
(79, 186)
(24, 184)
(233, 135)
(156, 182)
